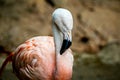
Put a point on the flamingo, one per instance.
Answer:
(46, 57)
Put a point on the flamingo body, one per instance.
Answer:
(35, 60)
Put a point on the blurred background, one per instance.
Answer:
(96, 33)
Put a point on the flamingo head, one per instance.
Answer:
(62, 26)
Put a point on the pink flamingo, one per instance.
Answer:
(45, 57)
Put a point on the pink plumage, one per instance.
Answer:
(35, 60)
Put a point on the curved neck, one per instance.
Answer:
(58, 44)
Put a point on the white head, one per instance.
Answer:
(62, 26)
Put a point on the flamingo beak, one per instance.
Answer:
(67, 42)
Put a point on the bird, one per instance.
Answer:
(47, 57)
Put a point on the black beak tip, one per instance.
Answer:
(66, 44)
(61, 52)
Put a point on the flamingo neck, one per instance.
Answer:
(58, 43)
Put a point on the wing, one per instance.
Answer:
(34, 60)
